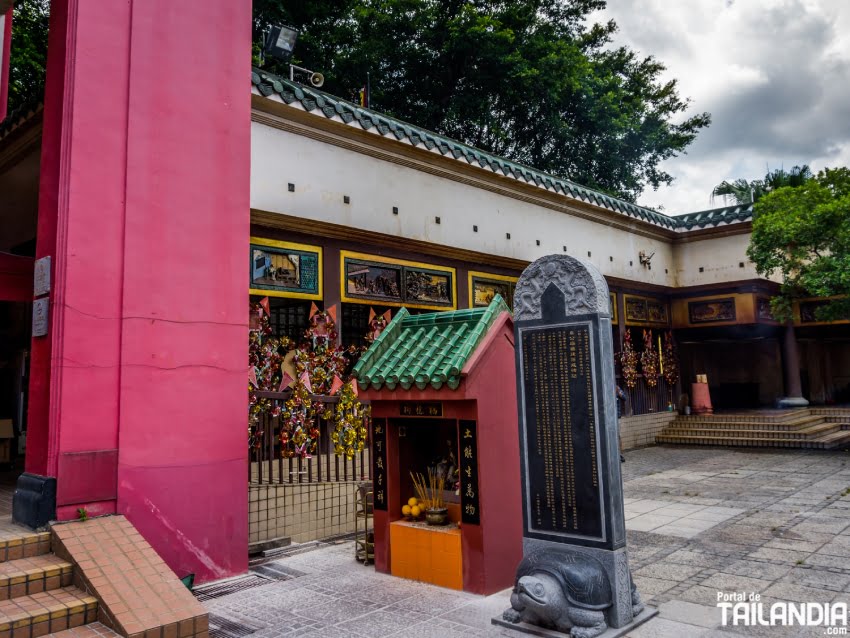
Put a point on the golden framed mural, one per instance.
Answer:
(396, 282)
(483, 286)
(645, 311)
(285, 269)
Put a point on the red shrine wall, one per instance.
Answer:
(492, 380)
(138, 398)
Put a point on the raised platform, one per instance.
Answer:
(86, 579)
(808, 428)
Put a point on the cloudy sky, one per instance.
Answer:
(774, 74)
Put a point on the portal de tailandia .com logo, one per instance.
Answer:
(742, 609)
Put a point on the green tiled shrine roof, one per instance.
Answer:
(330, 106)
(428, 349)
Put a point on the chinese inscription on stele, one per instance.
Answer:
(561, 437)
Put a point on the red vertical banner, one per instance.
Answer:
(5, 50)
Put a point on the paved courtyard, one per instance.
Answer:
(700, 520)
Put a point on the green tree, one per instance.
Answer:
(742, 191)
(529, 80)
(28, 55)
(803, 234)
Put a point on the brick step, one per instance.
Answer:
(826, 442)
(777, 416)
(836, 439)
(92, 630)
(729, 423)
(844, 419)
(24, 576)
(46, 612)
(807, 433)
(19, 542)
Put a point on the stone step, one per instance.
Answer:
(775, 416)
(46, 612)
(24, 576)
(836, 439)
(787, 424)
(19, 542)
(92, 630)
(826, 442)
(802, 434)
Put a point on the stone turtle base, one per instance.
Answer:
(647, 613)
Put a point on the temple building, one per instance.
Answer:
(127, 263)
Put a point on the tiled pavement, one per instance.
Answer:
(774, 522)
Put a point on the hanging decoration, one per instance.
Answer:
(670, 363)
(319, 366)
(265, 355)
(649, 360)
(298, 431)
(377, 324)
(351, 423)
(320, 357)
(629, 361)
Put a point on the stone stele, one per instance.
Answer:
(574, 577)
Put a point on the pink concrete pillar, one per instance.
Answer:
(145, 211)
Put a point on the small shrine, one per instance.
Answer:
(444, 447)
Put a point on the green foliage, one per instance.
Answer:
(28, 56)
(803, 234)
(82, 514)
(742, 191)
(528, 79)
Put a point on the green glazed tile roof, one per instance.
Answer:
(311, 99)
(716, 216)
(429, 349)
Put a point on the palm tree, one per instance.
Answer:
(741, 191)
(778, 178)
(738, 192)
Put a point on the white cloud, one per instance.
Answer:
(774, 74)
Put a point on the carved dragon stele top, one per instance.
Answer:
(584, 287)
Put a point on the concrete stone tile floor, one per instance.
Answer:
(700, 521)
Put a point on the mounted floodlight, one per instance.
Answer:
(280, 42)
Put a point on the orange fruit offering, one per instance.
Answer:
(412, 501)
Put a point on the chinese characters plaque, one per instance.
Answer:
(470, 509)
(379, 463)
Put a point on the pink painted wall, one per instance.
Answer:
(147, 134)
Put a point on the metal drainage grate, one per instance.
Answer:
(276, 571)
(209, 592)
(221, 627)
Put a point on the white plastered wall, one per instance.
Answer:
(323, 174)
